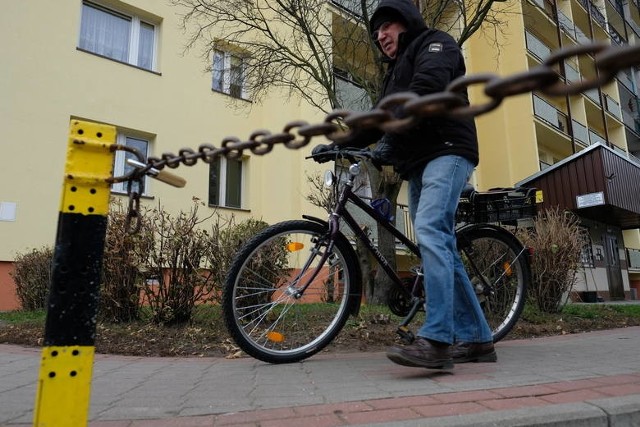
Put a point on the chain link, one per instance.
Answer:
(402, 111)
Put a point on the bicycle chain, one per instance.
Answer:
(344, 126)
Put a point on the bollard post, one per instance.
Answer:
(64, 381)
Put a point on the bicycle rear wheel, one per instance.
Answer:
(280, 305)
(498, 267)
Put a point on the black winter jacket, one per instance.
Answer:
(426, 62)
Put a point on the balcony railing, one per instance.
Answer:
(547, 7)
(593, 95)
(350, 95)
(612, 106)
(626, 80)
(573, 75)
(633, 255)
(616, 37)
(354, 6)
(549, 114)
(617, 5)
(536, 47)
(598, 16)
(595, 137)
(580, 132)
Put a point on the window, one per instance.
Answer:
(121, 167)
(228, 74)
(117, 36)
(226, 181)
(586, 253)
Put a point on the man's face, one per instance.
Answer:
(387, 36)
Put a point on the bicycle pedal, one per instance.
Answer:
(405, 335)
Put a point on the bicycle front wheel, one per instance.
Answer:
(282, 303)
(498, 267)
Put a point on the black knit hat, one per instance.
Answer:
(383, 15)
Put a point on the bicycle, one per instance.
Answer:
(291, 288)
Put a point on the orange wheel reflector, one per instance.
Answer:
(507, 269)
(275, 336)
(294, 246)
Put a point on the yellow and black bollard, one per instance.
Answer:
(64, 382)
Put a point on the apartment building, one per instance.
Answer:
(124, 63)
(583, 151)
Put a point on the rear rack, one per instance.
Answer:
(500, 205)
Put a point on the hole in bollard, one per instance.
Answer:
(99, 134)
(75, 352)
(74, 189)
(93, 191)
(80, 131)
(52, 374)
(54, 353)
(72, 207)
(73, 373)
(90, 209)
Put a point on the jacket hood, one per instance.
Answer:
(405, 8)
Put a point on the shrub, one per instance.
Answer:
(32, 275)
(173, 250)
(557, 240)
(121, 275)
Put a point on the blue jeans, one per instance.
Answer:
(453, 311)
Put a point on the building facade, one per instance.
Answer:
(124, 63)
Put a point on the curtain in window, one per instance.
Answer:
(218, 71)
(234, 183)
(105, 33)
(236, 77)
(145, 48)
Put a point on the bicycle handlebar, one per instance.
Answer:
(352, 154)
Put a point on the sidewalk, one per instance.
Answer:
(590, 379)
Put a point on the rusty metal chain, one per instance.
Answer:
(401, 111)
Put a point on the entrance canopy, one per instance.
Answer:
(597, 183)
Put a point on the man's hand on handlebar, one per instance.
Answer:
(323, 153)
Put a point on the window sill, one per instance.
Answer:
(125, 194)
(230, 96)
(119, 62)
(229, 208)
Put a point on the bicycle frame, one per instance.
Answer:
(341, 212)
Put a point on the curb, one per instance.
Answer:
(609, 412)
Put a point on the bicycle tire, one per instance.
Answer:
(262, 312)
(497, 255)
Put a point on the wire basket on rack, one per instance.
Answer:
(501, 205)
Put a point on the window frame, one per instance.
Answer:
(223, 83)
(135, 34)
(119, 166)
(221, 183)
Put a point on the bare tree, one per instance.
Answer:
(322, 52)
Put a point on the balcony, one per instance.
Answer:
(595, 138)
(616, 37)
(536, 47)
(617, 5)
(354, 6)
(613, 107)
(549, 114)
(572, 30)
(350, 95)
(547, 7)
(593, 95)
(580, 133)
